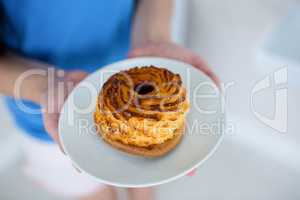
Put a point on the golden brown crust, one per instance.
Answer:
(142, 111)
(121, 93)
(149, 152)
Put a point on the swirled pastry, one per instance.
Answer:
(142, 111)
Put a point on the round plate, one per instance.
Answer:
(88, 152)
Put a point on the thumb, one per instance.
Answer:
(76, 76)
(51, 126)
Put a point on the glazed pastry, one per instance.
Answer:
(142, 111)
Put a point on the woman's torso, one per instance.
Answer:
(70, 34)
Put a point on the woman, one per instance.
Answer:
(73, 38)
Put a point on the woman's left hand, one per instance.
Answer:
(173, 51)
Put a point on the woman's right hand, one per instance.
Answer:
(54, 96)
(39, 82)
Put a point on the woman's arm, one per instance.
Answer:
(151, 35)
(13, 68)
(39, 82)
(152, 22)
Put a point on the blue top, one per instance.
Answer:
(70, 34)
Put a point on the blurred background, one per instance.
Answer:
(244, 41)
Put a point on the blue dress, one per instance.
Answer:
(69, 34)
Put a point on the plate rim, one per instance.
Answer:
(150, 184)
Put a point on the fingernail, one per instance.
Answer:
(192, 173)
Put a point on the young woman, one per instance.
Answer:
(73, 38)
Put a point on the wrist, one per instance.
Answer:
(30, 85)
(53, 82)
(38, 89)
(39, 82)
(154, 39)
(148, 35)
(152, 22)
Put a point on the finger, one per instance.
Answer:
(72, 79)
(76, 76)
(51, 124)
(192, 172)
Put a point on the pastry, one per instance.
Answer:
(142, 111)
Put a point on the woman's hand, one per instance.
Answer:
(41, 83)
(52, 98)
(173, 51)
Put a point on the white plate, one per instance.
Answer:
(205, 125)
